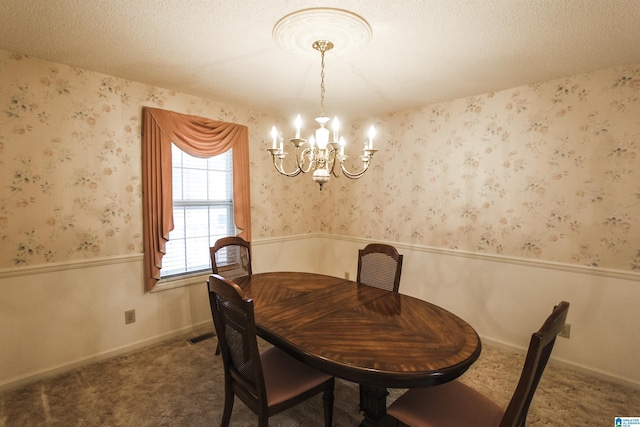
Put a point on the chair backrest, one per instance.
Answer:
(231, 257)
(380, 265)
(234, 321)
(540, 348)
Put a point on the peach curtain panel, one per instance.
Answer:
(198, 137)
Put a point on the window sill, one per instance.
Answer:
(178, 282)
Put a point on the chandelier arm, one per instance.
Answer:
(356, 175)
(307, 153)
(280, 169)
(278, 158)
(331, 158)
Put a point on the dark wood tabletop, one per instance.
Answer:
(360, 333)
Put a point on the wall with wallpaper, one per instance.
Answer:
(549, 171)
(70, 163)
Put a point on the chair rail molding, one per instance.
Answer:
(69, 265)
(537, 263)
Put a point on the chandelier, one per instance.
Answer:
(323, 153)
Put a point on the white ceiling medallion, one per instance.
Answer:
(298, 31)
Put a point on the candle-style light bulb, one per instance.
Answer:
(274, 135)
(336, 126)
(298, 124)
(372, 133)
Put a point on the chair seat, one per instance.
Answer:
(286, 377)
(456, 404)
(453, 404)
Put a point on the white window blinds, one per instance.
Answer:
(202, 210)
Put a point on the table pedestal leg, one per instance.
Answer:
(373, 404)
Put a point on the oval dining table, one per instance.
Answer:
(374, 337)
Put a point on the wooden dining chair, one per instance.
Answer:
(231, 257)
(456, 404)
(380, 265)
(267, 383)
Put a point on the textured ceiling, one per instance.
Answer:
(421, 51)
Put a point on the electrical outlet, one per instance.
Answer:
(565, 332)
(129, 316)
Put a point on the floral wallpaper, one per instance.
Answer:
(547, 171)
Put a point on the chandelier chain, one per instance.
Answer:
(322, 83)
(322, 46)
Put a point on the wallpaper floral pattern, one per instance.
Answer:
(547, 171)
(70, 159)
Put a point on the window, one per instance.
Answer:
(202, 210)
(197, 136)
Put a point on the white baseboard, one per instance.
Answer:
(585, 370)
(46, 373)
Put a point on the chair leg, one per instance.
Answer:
(217, 349)
(327, 398)
(228, 407)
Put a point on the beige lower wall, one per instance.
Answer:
(55, 319)
(59, 318)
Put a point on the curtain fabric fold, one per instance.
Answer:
(199, 137)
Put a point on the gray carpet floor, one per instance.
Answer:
(177, 383)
